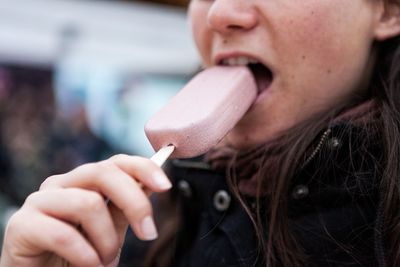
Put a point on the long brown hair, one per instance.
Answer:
(280, 244)
(388, 93)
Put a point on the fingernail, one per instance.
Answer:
(162, 181)
(149, 228)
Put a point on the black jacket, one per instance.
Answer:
(333, 209)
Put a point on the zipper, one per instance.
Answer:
(321, 142)
(193, 164)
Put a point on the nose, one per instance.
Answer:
(226, 16)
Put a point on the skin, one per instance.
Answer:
(307, 45)
(77, 198)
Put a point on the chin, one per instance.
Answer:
(239, 140)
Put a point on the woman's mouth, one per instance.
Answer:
(262, 74)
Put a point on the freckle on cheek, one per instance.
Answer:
(329, 71)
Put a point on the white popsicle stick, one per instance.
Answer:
(162, 155)
(159, 158)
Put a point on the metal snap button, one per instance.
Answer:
(185, 188)
(300, 191)
(222, 200)
(334, 143)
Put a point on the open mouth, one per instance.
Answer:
(262, 75)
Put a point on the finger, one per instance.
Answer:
(84, 208)
(141, 169)
(39, 233)
(115, 262)
(121, 226)
(120, 222)
(144, 170)
(122, 190)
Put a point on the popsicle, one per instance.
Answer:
(203, 112)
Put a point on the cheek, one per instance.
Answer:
(320, 46)
(201, 32)
(334, 25)
(311, 34)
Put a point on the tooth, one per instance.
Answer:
(232, 61)
(242, 61)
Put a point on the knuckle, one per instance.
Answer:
(97, 170)
(32, 198)
(119, 157)
(139, 159)
(91, 201)
(104, 166)
(85, 168)
(14, 223)
(145, 161)
(48, 182)
(62, 238)
(140, 209)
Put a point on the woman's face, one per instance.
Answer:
(318, 51)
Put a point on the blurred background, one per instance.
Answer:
(78, 80)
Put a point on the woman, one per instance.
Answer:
(313, 164)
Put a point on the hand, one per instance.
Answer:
(68, 219)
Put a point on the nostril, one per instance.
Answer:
(234, 27)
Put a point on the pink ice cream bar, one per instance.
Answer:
(203, 112)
